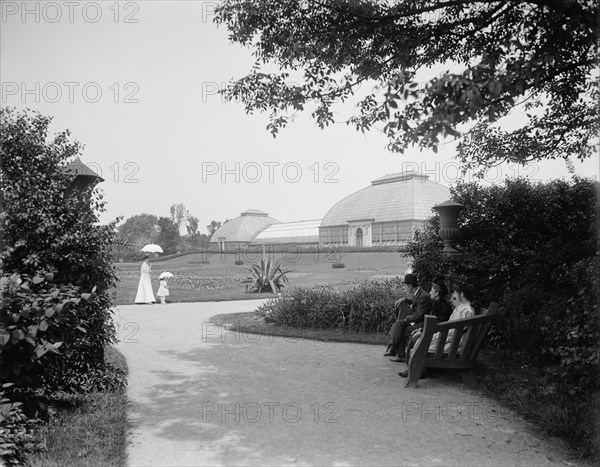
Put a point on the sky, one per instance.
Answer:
(137, 82)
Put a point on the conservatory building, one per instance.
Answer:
(386, 213)
(240, 231)
(304, 233)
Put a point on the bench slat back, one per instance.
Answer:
(456, 338)
(483, 328)
(468, 334)
(439, 351)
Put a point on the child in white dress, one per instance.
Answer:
(163, 290)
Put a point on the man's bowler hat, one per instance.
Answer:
(411, 279)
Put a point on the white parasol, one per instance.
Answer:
(152, 248)
(165, 275)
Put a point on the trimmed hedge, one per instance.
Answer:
(534, 250)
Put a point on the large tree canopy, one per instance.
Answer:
(138, 231)
(539, 55)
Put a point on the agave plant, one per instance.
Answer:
(267, 276)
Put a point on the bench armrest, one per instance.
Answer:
(472, 329)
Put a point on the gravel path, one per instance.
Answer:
(201, 395)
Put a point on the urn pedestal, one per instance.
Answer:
(448, 211)
(448, 235)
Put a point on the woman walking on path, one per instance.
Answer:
(144, 292)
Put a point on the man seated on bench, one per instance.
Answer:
(440, 308)
(413, 309)
(461, 299)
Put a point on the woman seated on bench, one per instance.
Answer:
(461, 301)
(440, 307)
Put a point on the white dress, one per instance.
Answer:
(163, 289)
(462, 311)
(144, 291)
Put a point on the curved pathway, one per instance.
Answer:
(201, 395)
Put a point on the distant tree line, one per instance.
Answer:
(176, 233)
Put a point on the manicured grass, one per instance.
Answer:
(216, 277)
(251, 323)
(89, 429)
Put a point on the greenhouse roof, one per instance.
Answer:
(290, 232)
(244, 227)
(393, 197)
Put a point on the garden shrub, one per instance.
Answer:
(572, 330)
(18, 433)
(366, 308)
(318, 307)
(534, 250)
(85, 377)
(36, 320)
(51, 228)
(56, 264)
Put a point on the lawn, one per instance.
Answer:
(88, 429)
(252, 323)
(216, 277)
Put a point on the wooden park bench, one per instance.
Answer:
(462, 355)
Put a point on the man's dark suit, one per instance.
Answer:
(411, 316)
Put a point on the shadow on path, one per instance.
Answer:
(206, 396)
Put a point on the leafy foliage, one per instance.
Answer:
(501, 54)
(46, 227)
(36, 319)
(369, 307)
(137, 231)
(18, 438)
(213, 227)
(179, 215)
(168, 236)
(141, 229)
(83, 377)
(574, 330)
(56, 266)
(194, 238)
(51, 228)
(267, 276)
(533, 249)
(192, 225)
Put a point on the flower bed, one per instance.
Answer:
(190, 282)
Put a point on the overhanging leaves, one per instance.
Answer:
(501, 55)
